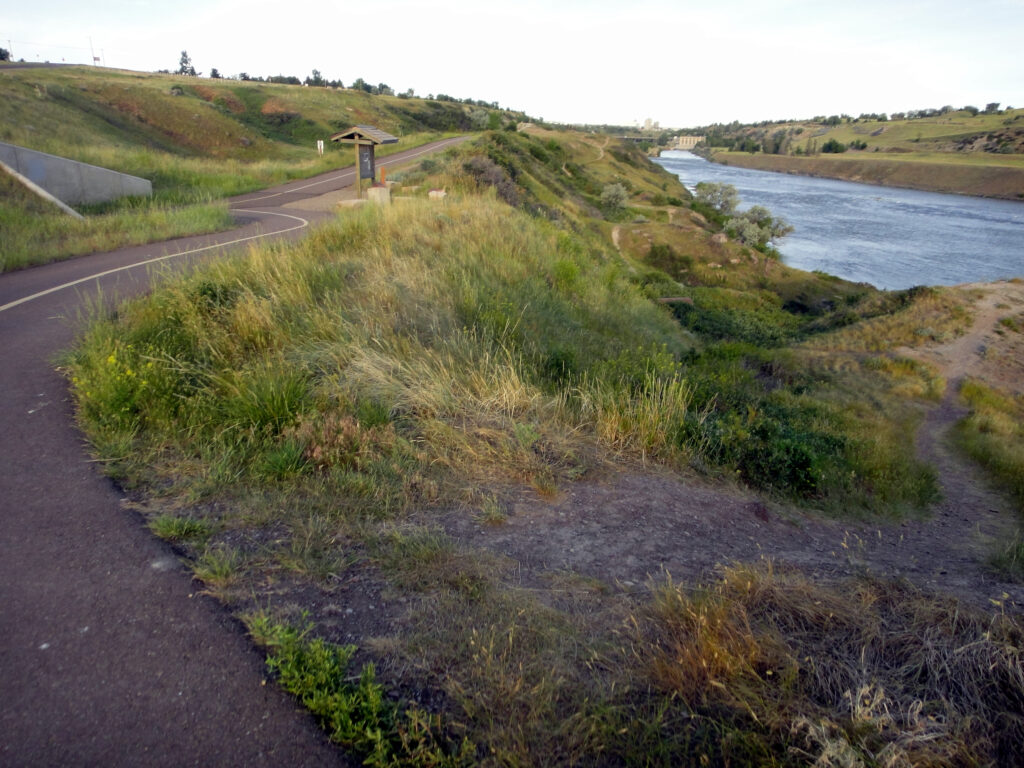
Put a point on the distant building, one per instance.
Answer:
(687, 142)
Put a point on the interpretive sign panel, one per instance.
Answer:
(367, 169)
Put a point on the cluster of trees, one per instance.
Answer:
(992, 108)
(755, 226)
(381, 89)
(727, 134)
(317, 80)
(913, 114)
(832, 146)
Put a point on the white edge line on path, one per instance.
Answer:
(384, 161)
(12, 304)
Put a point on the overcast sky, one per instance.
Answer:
(681, 63)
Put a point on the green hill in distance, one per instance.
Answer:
(965, 151)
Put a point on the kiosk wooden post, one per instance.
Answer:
(364, 138)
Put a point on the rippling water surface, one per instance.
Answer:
(892, 238)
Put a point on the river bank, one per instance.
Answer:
(892, 238)
(994, 181)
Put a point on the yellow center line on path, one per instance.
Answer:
(40, 294)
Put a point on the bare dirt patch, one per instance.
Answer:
(991, 350)
(640, 524)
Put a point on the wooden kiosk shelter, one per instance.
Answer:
(364, 138)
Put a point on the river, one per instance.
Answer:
(891, 238)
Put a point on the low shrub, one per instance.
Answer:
(358, 716)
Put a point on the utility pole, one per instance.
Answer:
(92, 52)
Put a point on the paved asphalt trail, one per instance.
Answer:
(107, 655)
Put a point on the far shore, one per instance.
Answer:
(1002, 182)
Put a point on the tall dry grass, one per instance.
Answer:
(879, 674)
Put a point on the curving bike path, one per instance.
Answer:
(108, 656)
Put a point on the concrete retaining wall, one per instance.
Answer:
(71, 181)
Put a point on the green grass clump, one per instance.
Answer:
(357, 716)
(180, 529)
(890, 319)
(753, 317)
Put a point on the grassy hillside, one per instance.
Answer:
(91, 115)
(956, 151)
(331, 430)
(197, 140)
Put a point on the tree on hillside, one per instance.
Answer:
(5, 55)
(185, 65)
(757, 227)
(722, 197)
(316, 79)
(992, 108)
(214, 74)
(614, 197)
(478, 118)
